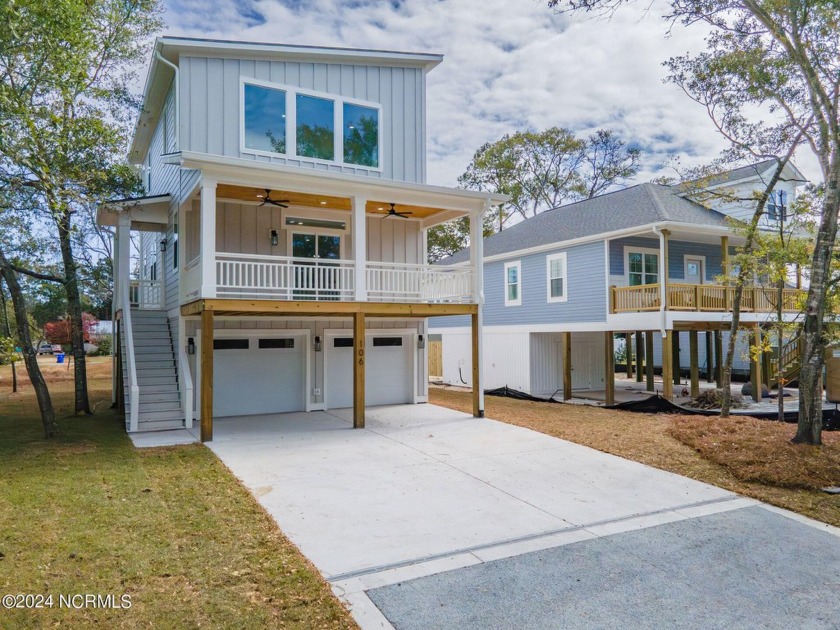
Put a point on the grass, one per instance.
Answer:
(752, 457)
(171, 527)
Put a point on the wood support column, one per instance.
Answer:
(724, 264)
(477, 397)
(640, 357)
(710, 377)
(359, 370)
(694, 369)
(675, 357)
(609, 368)
(567, 366)
(628, 349)
(755, 364)
(206, 376)
(649, 360)
(718, 358)
(668, 364)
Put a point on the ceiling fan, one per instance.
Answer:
(392, 212)
(266, 199)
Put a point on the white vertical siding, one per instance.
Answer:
(546, 363)
(505, 360)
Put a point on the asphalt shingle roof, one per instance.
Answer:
(635, 206)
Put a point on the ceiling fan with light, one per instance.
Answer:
(267, 200)
(392, 212)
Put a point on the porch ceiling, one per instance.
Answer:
(250, 195)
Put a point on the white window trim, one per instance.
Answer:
(688, 257)
(628, 249)
(302, 229)
(291, 124)
(548, 260)
(518, 300)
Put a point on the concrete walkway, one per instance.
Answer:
(424, 490)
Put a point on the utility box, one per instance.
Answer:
(832, 374)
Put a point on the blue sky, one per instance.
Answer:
(508, 65)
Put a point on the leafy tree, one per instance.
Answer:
(60, 331)
(780, 58)
(64, 104)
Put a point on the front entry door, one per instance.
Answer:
(694, 270)
(317, 280)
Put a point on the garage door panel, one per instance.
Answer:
(388, 372)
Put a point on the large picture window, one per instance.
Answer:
(642, 268)
(265, 119)
(555, 269)
(293, 122)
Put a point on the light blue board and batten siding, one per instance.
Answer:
(677, 253)
(211, 108)
(587, 297)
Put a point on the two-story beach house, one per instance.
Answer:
(643, 263)
(277, 261)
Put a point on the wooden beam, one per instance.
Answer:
(206, 376)
(628, 345)
(718, 358)
(609, 368)
(478, 412)
(640, 356)
(649, 360)
(755, 365)
(567, 366)
(675, 356)
(710, 377)
(694, 368)
(325, 308)
(359, 370)
(668, 364)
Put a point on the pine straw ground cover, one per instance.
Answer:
(752, 457)
(171, 527)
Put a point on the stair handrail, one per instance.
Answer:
(133, 385)
(184, 374)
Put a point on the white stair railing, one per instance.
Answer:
(128, 339)
(146, 294)
(403, 282)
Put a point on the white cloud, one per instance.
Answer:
(507, 66)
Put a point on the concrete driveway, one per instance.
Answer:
(429, 494)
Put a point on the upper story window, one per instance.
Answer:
(777, 205)
(642, 268)
(293, 122)
(513, 283)
(556, 279)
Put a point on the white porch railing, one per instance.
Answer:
(283, 278)
(146, 294)
(402, 282)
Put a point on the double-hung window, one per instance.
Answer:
(556, 277)
(297, 123)
(513, 283)
(642, 268)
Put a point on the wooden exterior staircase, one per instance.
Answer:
(790, 362)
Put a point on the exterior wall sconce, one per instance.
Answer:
(274, 238)
(163, 244)
(190, 346)
(317, 344)
(421, 342)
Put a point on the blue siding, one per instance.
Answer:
(677, 251)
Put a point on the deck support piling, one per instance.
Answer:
(710, 378)
(206, 376)
(567, 366)
(668, 364)
(675, 357)
(640, 357)
(359, 370)
(649, 360)
(694, 369)
(609, 367)
(477, 398)
(628, 349)
(718, 359)
(755, 365)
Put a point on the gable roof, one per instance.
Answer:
(640, 205)
(758, 170)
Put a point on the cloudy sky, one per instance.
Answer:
(508, 65)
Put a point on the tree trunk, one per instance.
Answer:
(30, 357)
(74, 310)
(8, 332)
(809, 428)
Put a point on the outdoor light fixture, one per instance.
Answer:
(163, 244)
(421, 343)
(317, 344)
(190, 346)
(274, 238)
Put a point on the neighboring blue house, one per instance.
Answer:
(561, 286)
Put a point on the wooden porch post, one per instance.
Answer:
(724, 264)
(478, 408)
(755, 365)
(649, 360)
(640, 356)
(709, 363)
(609, 367)
(628, 345)
(567, 366)
(675, 357)
(358, 370)
(693, 367)
(718, 358)
(668, 364)
(206, 376)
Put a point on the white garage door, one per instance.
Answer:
(389, 374)
(258, 375)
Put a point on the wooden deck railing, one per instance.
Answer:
(703, 297)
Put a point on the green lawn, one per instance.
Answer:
(171, 528)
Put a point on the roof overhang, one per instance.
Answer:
(146, 214)
(449, 203)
